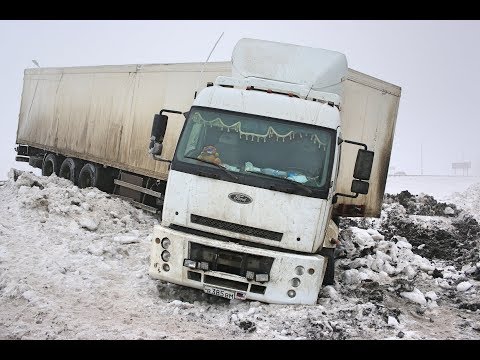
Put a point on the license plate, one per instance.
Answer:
(219, 292)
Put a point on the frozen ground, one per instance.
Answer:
(73, 265)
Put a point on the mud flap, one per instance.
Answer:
(329, 277)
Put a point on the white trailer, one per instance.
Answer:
(100, 118)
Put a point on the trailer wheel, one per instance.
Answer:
(329, 277)
(89, 176)
(70, 169)
(50, 165)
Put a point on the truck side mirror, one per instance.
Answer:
(363, 166)
(159, 127)
(362, 171)
(359, 186)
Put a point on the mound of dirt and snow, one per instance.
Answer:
(73, 265)
(468, 200)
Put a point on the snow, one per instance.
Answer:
(74, 265)
(464, 286)
(415, 296)
(440, 187)
(392, 321)
(468, 199)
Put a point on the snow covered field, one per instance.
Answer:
(440, 187)
(73, 265)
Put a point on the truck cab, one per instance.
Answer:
(249, 195)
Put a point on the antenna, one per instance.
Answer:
(205, 64)
(35, 62)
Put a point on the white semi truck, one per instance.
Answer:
(250, 172)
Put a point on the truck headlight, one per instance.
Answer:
(190, 263)
(204, 266)
(262, 277)
(291, 293)
(165, 255)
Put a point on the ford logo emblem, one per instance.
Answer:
(240, 198)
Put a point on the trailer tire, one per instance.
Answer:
(70, 169)
(89, 176)
(50, 165)
(329, 276)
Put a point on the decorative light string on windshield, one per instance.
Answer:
(197, 118)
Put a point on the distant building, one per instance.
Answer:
(463, 166)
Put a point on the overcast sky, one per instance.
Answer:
(436, 63)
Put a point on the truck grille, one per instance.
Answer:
(230, 262)
(242, 229)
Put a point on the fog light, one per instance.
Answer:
(165, 255)
(166, 267)
(203, 266)
(250, 275)
(299, 270)
(165, 243)
(262, 277)
(190, 263)
(295, 282)
(291, 293)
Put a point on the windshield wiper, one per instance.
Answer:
(306, 188)
(217, 165)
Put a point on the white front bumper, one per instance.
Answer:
(274, 291)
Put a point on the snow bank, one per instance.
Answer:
(74, 265)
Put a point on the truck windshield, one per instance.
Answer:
(252, 146)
